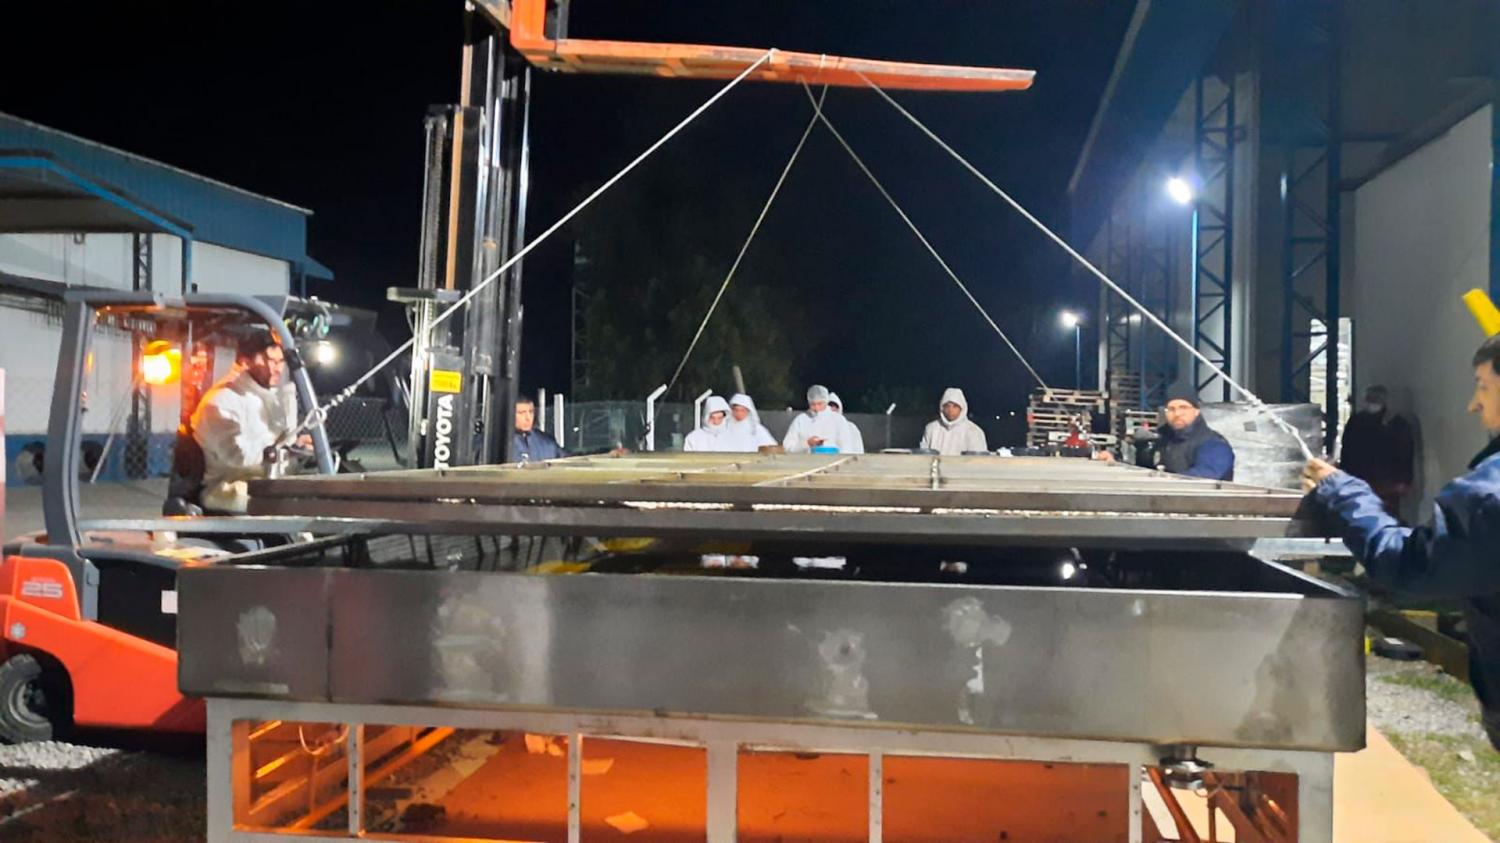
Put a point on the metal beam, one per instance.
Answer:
(1213, 230)
(1306, 107)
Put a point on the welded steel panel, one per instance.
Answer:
(945, 499)
(1234, 669)
(252, 632)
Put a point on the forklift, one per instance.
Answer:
(88, 613)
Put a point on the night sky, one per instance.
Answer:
(321, 105)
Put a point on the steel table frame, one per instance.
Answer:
(722, 740)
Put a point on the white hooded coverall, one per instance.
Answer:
(951, 438)
(852, 435)
(748, 436)
(710, 436)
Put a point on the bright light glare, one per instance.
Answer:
(325, 353)
(1068, 570)
(1070, 319)
(161, 363)
(1180, 191)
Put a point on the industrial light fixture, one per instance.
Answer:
(325, 353)
(161, 363)
(1070, 320)
(1180, 190)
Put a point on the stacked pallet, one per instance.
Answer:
(1125, 398)
(1052, 413)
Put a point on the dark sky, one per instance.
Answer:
(321, 104)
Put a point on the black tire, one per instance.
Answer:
(34, 702)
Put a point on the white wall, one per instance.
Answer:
(106, 260)
(28, 354)
(1421, 240)
(220, 270)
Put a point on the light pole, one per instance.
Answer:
(1072, 320)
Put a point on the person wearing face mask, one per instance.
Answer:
(953, 432)
(1378, 449)
(712, 435)
(746, 434)
(819, 427)
(854, 441)
(1453, 554)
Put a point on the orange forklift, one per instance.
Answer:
(88, 609)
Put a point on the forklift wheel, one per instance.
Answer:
(30, 703)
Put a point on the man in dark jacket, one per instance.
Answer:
(1455, 554)
(530, 444)
(1188, 446)
(1378, 449)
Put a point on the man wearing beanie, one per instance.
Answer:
(1188, 446)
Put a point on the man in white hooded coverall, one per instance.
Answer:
(953, 432)
(713, 434)
(240, 418)
(819, 427)
(746, 434)
(855, 439)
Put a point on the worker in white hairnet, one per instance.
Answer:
(710, 436)
(953, 432)
(819, 427)
(746, 434)
(855, 439)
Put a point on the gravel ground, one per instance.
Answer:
(101, 790)
(1392, 705)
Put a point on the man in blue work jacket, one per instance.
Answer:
(1186, 446)
(1455, 554)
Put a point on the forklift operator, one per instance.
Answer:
(241, 419)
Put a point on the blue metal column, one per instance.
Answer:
(1307, 108)
(1213, 229)
(1158, 354)
(1495, 175)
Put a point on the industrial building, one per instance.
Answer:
(79, 214)
(1275, 179)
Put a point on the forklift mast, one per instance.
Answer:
(464, 373)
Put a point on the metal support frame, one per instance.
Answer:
(1158, 354)
(138, 426)
(724, 739)
(579, 298)
(1213, 230)
(1117, 334)
(1307, 87)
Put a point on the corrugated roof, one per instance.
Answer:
(218, 213)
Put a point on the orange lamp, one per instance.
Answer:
(161, 363)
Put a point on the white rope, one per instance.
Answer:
(754, 229)
(320, 414)
(925, 242)
(1254, 400)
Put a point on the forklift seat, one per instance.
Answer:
(185, 486)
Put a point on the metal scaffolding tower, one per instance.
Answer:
(1303, 73)
(1117, 333)
(1157, 358)
(1213, 228)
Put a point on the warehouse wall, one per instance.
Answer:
(1421, 239)
(106, 260)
